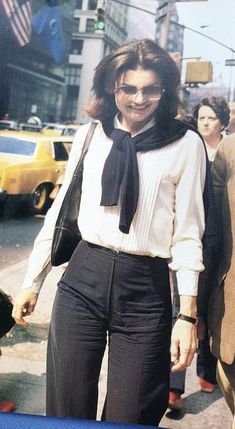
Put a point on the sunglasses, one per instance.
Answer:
(150, 92)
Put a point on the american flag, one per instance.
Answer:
(18, 13)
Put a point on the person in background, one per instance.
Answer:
(141, 210)
(5, 406)
(221, 317)
(211, 116)
(231, 126)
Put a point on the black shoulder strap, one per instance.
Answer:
(85, 147)
(88, 139)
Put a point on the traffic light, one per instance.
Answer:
(100, 19)
(198, 72)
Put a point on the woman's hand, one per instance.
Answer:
(24, 304)
(183, 344)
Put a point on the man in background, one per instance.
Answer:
(221, 307)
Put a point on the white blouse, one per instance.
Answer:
(169, 220)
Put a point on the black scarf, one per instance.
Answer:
(120, 178)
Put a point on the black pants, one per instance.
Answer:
(127, 297)
(206, 362)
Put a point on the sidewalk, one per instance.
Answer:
(22, 366)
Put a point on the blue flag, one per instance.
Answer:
(47, 24)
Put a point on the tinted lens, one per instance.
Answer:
(128, 90)
(151, 91)
(147, 91)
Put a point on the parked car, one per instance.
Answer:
(32, 124)
(30, 164)
(6, 124)
(25, 126)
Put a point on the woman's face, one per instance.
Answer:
(137, 96)
(208, 123)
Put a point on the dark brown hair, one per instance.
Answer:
(143, 53)
(218, 104)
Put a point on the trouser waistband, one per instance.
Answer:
(117, 252)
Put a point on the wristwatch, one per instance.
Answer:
(193, 320)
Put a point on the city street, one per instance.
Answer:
(17, 237)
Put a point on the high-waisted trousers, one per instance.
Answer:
(119, 298)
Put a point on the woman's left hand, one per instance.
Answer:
(183, 344)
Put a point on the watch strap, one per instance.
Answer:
(193, 320)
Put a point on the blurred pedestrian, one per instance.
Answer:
(211, 117)
(231, 126)
(6, 323)
(141, 209)
(221, 317)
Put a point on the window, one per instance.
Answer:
(76, 25)
(17, 146)
(76, 47)
(92, 4)
(78, 4)
(72, 75)
(71, 103)
(61, 153)
(90, 25)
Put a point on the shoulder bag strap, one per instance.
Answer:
(86, 145)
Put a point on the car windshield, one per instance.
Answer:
(17, 146)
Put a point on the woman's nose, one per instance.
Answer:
(139, 96)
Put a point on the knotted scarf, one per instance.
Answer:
(120, 177)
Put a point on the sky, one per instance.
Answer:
(219, 18)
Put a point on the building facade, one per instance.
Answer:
(89, 45)
(168, 34)
(33, 82)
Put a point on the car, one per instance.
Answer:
(60, 129)
(30, 164)
(32, 124)
(6, 124)
(70, 129)
(53, 129)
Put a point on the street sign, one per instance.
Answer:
(230, 62)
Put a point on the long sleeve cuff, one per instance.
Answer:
(187, 281)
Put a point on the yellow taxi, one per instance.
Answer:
(30, 164)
